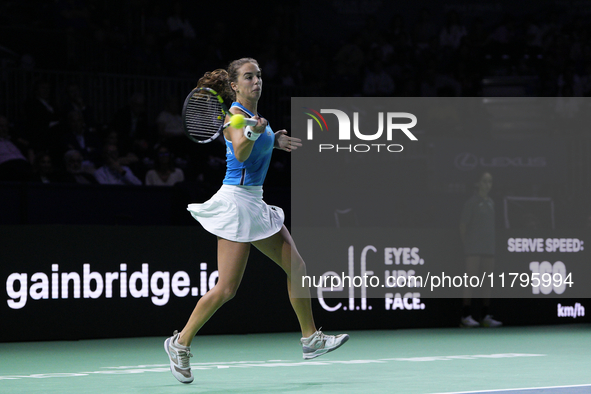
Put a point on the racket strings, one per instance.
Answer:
(204, 115)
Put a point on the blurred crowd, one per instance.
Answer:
(63, 143)
(428, 55)
(425, 54)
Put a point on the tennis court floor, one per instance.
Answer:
(516, 360)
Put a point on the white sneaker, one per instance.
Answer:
(469, 322)
(180, 363)
(319, 343)
(488, 321)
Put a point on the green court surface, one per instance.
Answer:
(516, 360)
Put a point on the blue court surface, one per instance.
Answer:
(515, 360)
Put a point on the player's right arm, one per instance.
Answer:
(242, 145)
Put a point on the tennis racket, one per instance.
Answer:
(204, 114)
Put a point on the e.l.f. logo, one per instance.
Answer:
(345, 124)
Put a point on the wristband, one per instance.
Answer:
(251, 135)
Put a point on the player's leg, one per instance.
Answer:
(282, 250)
(232, 258)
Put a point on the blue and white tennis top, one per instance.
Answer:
(253, 170)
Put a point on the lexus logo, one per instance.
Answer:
(468, 161)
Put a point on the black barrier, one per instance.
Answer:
(76, 282)
(385, 264)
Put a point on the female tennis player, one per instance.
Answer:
(239, 217)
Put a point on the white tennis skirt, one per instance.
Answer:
(238, 213)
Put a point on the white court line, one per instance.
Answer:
(135, 369)
(519, 389)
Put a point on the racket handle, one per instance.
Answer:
(251, 122)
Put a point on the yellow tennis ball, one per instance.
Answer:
(238, 121)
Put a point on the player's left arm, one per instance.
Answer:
(285, 142)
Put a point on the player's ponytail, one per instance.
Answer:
(219, 81)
